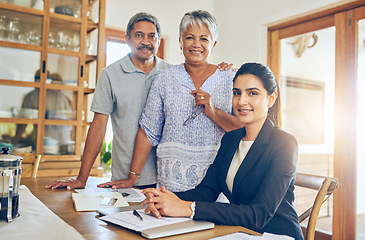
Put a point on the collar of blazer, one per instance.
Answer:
(255, 152)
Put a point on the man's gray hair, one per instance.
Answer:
(142, 16)
(200, 17)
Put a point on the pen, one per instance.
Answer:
(135, 213)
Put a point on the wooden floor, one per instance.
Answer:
(325, 224)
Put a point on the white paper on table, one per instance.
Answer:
(135, 195)
(234, 236)
(245, 236)
(94, 190)
(270, 236)
(91, 201)
(128, 220)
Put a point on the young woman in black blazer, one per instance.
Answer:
(255, 167)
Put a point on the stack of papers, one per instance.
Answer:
(130, 194)
(85, 201)
(151, 227)
(245, 236)
(129, 220)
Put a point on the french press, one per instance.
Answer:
(10, 170)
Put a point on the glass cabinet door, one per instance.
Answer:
(66, 7)
(66, 37)
(10, 69)
(20, 138)
(18, 27)
(63, 69)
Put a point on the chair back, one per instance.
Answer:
(30, 164)
(325, 187)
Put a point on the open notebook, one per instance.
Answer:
(151, 227)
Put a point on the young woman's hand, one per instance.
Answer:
(162, 202)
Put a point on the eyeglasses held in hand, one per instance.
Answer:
(195, 112)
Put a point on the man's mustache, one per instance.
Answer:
(145, 46)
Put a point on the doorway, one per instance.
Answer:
(315, 59)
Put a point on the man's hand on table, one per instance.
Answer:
(69, 184)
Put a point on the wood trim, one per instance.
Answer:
(43, 78)
(18, 8)
(306, 27)
(274, 64)
(20, 120)
(19, 83)
(331, 10)
(360, 13)
(21, 46)
(273, 58)
(101, 39)
(344, 210)
(116, 35)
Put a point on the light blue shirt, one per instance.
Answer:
(184, 153)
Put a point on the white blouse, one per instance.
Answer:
(238, 157)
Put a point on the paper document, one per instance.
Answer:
(135, 195)
(129, 220)
(245, 236)
(130, 194)
(92, 201)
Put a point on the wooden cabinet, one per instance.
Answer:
(51, 53)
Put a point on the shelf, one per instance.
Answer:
(91, 26)
(86, 123)
(62, 87)
(8, 82)
(63, 52)
(89, 90)
(21, 9)
(19, 120)
(64, 18)
(20, 46)
(60, 122)
(90, 58)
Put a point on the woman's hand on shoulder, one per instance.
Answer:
(223, 66)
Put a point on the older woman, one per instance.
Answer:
(187, 112)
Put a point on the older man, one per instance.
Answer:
(121, 92)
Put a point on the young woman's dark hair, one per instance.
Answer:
(268, 81)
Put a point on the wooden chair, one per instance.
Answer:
(325, 187)
(30, 164)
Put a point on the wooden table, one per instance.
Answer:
(88, 224)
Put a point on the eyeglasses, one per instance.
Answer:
(195, 112)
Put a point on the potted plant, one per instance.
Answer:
(106, 157)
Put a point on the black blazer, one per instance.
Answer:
(262, 196)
